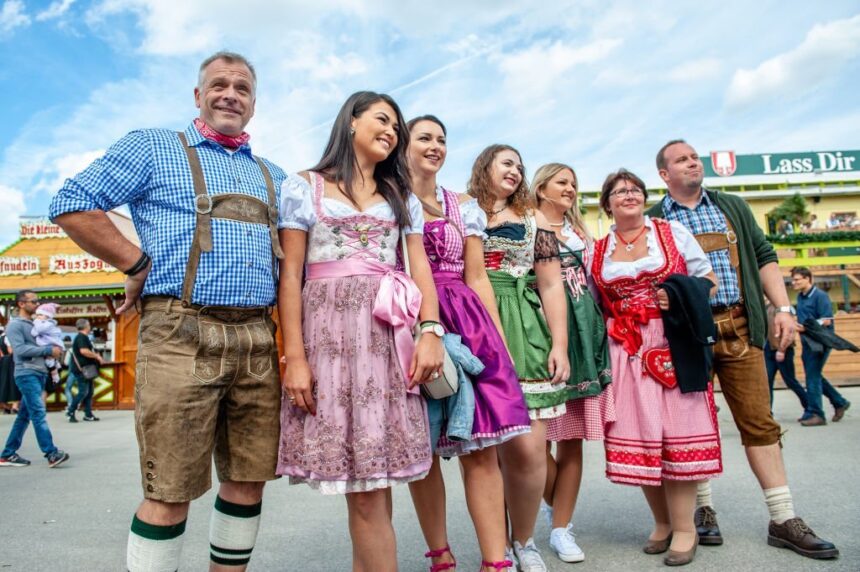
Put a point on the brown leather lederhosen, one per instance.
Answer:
(738, 365)
(233, 206)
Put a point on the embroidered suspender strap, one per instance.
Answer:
(273, 209)
(202, 241)
(711, 241)
(233, 206)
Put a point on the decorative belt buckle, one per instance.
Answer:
(731, 237)
(208, 204)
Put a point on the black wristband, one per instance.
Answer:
(138, 267)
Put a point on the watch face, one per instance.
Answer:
(439, 330)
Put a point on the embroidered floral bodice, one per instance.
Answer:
(337, 231)
(514, 248)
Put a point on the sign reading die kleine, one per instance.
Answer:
(40, 228)
(65, 263)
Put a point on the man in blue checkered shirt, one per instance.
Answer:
(747, 269)
(205, 275)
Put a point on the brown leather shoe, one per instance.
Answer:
(840, 412)
(814, 421)
(707, 527)
(681, 558)
(657, 546)
(796, 535)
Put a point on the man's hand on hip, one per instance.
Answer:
(133, 288)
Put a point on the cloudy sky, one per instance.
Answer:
(598, 84)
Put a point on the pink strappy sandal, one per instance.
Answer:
(500, 565)
(437, 554)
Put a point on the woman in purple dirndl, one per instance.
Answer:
(453, 228)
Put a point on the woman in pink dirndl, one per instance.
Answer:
(352, 420)
(662, 440)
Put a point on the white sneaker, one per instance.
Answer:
(528, 557)
(546, 511)
(563, 542)
(509, 555)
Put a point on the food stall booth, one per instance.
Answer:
(44, 259)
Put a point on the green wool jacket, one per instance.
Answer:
(754, 252)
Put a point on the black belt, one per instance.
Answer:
(734, 309)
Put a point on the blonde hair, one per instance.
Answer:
(543, 176)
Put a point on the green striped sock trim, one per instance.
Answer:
(157, 532)
(229, 561)
(231, 551)
(238, 510)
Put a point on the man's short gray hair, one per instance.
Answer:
(82, 324)
(230, 58)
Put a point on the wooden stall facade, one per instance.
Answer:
(44, 259)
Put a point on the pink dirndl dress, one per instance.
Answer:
(659, 433)
(586, 417)
(369, 431)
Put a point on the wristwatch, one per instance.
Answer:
(432, 327)
(786, 310)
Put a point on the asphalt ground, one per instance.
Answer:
(76, 517)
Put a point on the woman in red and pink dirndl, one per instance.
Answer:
(659, 433)
(662, 439)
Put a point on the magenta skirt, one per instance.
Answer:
(500, 409)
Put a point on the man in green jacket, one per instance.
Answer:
(746, 267)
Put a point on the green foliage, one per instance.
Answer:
(802, 237)
(793, 209)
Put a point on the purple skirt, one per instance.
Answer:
(500, 409)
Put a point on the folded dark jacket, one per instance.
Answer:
(818, 338)
(689, 328)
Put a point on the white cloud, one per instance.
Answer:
(55, 10)
(65, 167)
(532, 72)
(822, 53)
(12, 16)
(695, 71)
(12, 206)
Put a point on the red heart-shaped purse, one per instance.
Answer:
(657, 362)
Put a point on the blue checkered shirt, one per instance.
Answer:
(707, 217)
(148, 170)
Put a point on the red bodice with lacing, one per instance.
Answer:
(632, 301)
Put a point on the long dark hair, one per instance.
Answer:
(338, 163)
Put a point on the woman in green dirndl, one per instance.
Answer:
(522, 258)
(589, 406)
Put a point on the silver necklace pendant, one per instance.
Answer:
(629, 247)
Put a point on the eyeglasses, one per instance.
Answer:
(626, 192)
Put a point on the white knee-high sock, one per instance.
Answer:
(233, 532)
(703, 494)
(154, 548)
(779, 504)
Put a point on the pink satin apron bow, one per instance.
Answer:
(397, 302)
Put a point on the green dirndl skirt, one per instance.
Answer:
(588, 347)
(529, 342)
